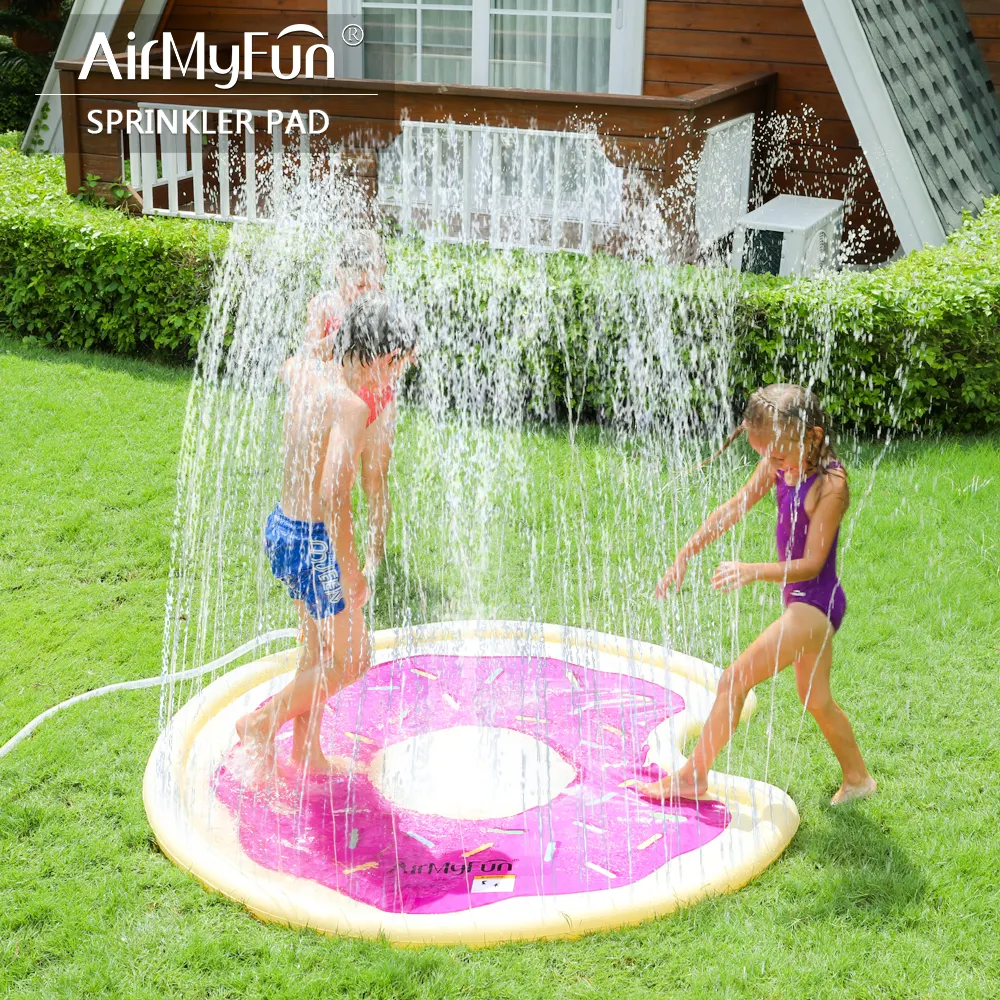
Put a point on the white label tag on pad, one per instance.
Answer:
(493, 883)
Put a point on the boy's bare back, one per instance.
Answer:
(324, 432)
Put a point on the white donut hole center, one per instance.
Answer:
(470, 772)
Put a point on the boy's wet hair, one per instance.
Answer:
(373, 327)
(357, 251)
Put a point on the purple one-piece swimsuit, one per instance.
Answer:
(823, 591)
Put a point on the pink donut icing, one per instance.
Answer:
(596, 835)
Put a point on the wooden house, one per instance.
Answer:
(894, 102)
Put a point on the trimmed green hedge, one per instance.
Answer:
(81, 275)
(921, 335)
(914, 344)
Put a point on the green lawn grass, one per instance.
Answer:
(894, 897)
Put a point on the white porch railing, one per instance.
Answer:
(221, 185)
(508, 187)
(505, 186)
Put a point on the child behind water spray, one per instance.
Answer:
(786, 426)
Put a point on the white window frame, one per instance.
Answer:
(627, 51)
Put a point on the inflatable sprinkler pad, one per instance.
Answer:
(490, 798)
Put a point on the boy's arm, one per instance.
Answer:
(339, 472)
(316, 316)
(375, 458)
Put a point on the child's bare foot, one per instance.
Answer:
(314, 761)
(255, 758)
(854, 790)
(670, 788)
(253, 732)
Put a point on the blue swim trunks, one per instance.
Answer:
(301, 557)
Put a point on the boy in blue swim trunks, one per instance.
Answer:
(359, 270)
(309, 536)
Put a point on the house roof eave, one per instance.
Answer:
(86, 18)
(890, 157)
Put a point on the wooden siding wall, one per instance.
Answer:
(984, 16)
(690, 43)
(224, 22)
(667, 70)
(366, 114)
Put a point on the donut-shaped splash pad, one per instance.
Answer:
(490, 796)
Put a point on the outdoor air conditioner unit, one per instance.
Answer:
(790, 235)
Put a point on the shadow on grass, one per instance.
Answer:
(151, 366)
(867, 873)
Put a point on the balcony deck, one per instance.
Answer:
(650, 133)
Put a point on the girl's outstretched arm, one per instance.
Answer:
(823, 524)
(718, 523)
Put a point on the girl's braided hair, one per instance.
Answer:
(784, 408)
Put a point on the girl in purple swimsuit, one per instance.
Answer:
(786, 426)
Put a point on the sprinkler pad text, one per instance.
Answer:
(220, 121)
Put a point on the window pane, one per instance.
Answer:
(519, 4)
(583, 6)
(390, 46)
(517, 46)
(581, 54)
(447, 46)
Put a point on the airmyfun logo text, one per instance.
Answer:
(200, 56)
(449, 868)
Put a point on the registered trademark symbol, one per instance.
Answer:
(353, 35)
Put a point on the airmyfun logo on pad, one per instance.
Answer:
(491, 869)
(498, 876)
(201, 57)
